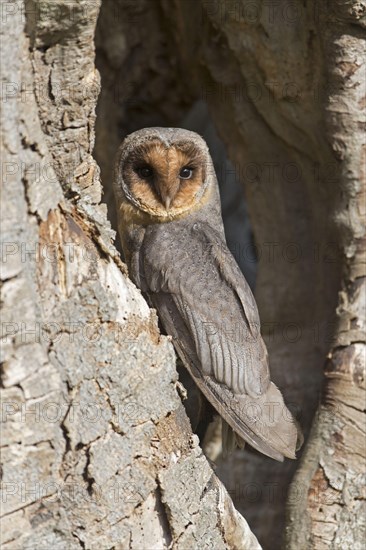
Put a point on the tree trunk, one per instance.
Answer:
(327, 497)
(97, 448)
(98, 451)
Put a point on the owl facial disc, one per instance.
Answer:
(165, 177)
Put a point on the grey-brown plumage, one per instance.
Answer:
(173, 239)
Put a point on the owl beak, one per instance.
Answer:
(167, 194)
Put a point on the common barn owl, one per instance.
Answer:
(172, 235)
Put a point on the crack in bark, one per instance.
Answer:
(85, 474)
(164, 508)
(350, 406)
(67, 439)
(75, 535)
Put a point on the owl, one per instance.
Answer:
(172, 234)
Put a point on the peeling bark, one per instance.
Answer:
(97, 449)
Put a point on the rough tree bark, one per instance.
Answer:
(284, 82)
(331, 481)
(97, 448)
(92, 455)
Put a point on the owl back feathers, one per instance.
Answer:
(205, 303)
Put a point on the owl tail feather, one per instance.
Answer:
(270, 421)
(264, 421)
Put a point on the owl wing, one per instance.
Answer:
(205, 303)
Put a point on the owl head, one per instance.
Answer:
(164, 172)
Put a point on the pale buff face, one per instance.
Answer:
(164, 180)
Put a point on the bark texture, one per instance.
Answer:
(284, 82)
(97, 448)
(331, 481)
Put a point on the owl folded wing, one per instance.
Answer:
(214, 301)
(208, 308)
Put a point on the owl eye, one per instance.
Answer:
(145, 172)
(186, 173)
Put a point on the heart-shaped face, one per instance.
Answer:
(165, 180)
